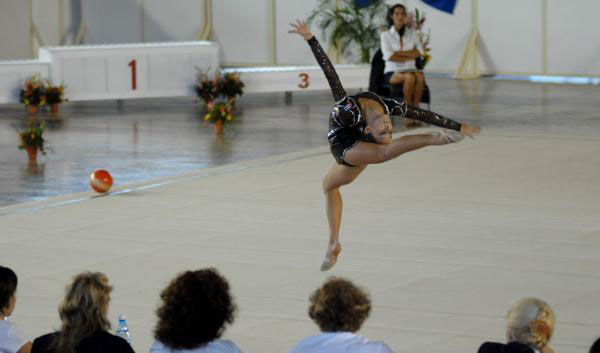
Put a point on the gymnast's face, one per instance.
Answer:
(381, 129)
(379, 124)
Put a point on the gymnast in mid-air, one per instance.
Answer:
(360, 133)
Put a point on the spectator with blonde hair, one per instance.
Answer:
(83, 313)
(339, 308)
(12, 340)
(530, 327)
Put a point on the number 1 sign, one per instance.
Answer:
(133, 74)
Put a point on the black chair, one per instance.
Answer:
(377, 82)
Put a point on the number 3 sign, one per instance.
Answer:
(304, 83)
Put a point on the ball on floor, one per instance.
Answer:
(101, 181)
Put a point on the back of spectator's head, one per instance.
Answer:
(595, 348)
(195, 308)
(83, 310)
(531, 322)
(8, 286)
(339, 306)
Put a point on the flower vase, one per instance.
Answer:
(54, 108)
(219, 127)
(32, 154)
(231, 102)
(32, 109)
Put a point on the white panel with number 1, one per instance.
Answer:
(130, 71)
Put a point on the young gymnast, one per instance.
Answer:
(360, 133)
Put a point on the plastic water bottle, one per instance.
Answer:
(123, 331)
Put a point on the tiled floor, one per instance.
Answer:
(149, 139)
(445, 238)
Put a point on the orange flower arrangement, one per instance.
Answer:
(219, 112)
(55, 94)
(33, 92)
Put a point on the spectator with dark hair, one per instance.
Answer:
(12, 339)
(339, 308)
(529, 329)
(84, 324)
(196, 306)
(400, 46)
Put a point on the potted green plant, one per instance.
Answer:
(31, 139)
(350, 21)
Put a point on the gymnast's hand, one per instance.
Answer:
(470, 131)
(301, 28)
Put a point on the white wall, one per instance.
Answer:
(290, 48)
(243, 30)
(573, 41)
(511, 39)
(112, 21)
(511, 30)
(46, 17)
(180, 20)
(131, 21)
(14, 30)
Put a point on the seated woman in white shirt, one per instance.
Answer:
(196, 306)
(339, 308)
(400, 47)
(12, 340)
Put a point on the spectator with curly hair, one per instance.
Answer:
(196, 306)
(530, 326)
(595, 348)
(12, 340)
(84, 326)
(339, 308)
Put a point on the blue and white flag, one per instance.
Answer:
(365, 3)
(443, 5)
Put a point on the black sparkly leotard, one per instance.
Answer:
(346, 122)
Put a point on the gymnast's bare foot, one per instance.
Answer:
(331, 256)
(449, 136)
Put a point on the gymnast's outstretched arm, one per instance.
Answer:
(332, 77)
(403, 109)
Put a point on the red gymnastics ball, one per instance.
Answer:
(101, 181)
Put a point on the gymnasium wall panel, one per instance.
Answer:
(573, 45)
(243, 30)
(14, 30)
